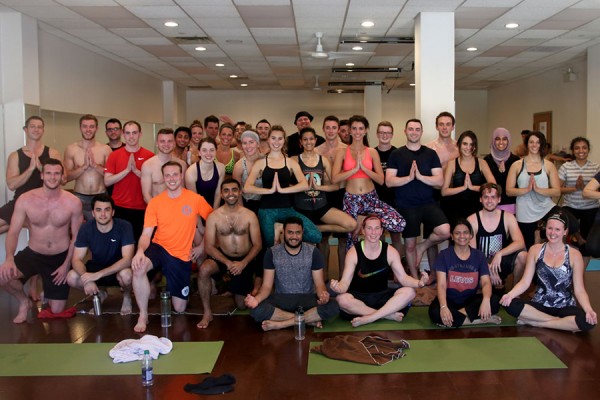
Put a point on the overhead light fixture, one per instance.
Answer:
(233, 76)
(219, 65)
(243, 84)
(511, 25)
(472, 49)
(412, 84)
(367, 24)
(200, 48)
(357, 48)
(349, 64)
(356, 83)
(171, 24)
(378, 40)
(367, 69)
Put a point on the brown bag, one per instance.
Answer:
(373, 350)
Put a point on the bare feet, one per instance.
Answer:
(494, 319)
(316, 324)
(23, 310)
(397, 316)
(126, 307)
(141, 324)
(206, 319)
(270, 325)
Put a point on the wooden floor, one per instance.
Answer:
(272, 365)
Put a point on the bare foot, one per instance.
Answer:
(316, 324)
(269, 325)
(494, 319)
(141, 324)
(206, 319)
(126, 307)
(397, 316)
(358, 321)
(103, 295)
(22, 314)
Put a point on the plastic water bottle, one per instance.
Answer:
(165, 309)
(97, 305)
(299, 324)
(147, 370)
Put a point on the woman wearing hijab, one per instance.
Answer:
(499, 160)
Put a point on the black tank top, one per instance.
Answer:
(276, 200)
(35, 180)
(311, 199)
(370, 276)
(492, 242)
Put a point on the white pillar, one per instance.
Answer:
(593, 100)
(434, 68)
(169, 103)
(372, 108)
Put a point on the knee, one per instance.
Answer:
(139, 273)
(349, 224)
(521, 259)
(125, 276)
(179, 307)
(344, 300)
(443, 231)
(72, 278)
(407, 292)
(207, 269)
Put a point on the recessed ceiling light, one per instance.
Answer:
(511, 25)
(219, 65)
(471, 48)
(349, 64)
(233, 76)
(367, 24)
(171, 24)
(357, 48)
(200, 48)
(244, 85)
(412, 84)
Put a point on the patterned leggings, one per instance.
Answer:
(369, 203)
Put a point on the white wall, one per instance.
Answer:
(280, 107)
(512, 106)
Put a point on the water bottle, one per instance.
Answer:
(97, 305)
(147, 370)
(299, 324)
(165, 309)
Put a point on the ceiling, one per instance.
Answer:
(268, 43)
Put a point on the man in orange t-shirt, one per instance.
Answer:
(174, 214)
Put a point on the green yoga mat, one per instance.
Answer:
(65, 359)
(449, 355)
(417, 318)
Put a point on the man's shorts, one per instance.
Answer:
(105, 281)
(507, 263)
(375, 300)
(177, 271)
(430, 215)
(32, 263)
(237, 284)
(7, 210)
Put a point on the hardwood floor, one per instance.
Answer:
(272, 365)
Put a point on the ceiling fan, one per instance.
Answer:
(319, 53)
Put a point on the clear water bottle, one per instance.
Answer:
(299, 324)
(165, 309)
(147, 370)
(97, 305)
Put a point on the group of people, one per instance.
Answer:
(254, 208)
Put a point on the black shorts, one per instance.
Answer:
(374, 300)
(177, 271)
(7, 210)
(315, 215)
(32, 263)
(507, 264)
(105, 281)
(237, 284)
(430, 215)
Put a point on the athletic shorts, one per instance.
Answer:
(315, 215)
(105, 281)
(7, 210)
(32, 263)
(177, 271)
(237, 284)
(430, 215)
(374, 300)
(507, 263)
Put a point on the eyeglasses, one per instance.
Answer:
(112, 129)
(385, 133)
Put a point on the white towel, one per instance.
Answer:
(133, 349)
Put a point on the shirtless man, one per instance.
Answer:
(153, 182)
(84, 163)
(53, 217)
(364, 296)
(174, 215)
(331, 125)
(24, 166)
(263, 127)
(232, 242)
(444, 145)
(183, 135)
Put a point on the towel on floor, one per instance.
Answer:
(47, 313)
(133, 349)
(372, 350)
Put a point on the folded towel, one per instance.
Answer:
(133, 349)
(47, 313)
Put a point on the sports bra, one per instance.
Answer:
(207, 188)
(229, 166)
(350, 163)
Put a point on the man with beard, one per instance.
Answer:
(496, 233)
(295, 269)
(302, 120)
(183, 135)
(263, 127)
(53, 217)
(110, 245)
(232, 242)
(84, 163)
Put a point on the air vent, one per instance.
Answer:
(191, 40)
(367, 69)
(352, 83)
(200, 87)
(382, 40)
(547, 49)
(344, 91)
